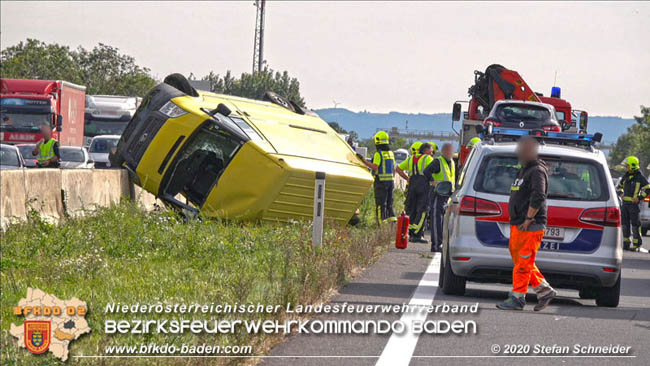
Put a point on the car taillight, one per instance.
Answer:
(605, 216)
(552, 129)
(647, 199)
(493, 122)
(472, 206)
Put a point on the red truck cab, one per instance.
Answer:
(25, 105)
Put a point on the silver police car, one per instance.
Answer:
(582, 245)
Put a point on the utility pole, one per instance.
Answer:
(258, 46)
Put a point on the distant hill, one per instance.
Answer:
(365, 123)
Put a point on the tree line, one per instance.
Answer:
(105, 70)
(636, 141)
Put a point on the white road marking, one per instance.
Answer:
(400, 347)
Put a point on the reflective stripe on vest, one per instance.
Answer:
(446, 173)
(386, 166)
(46, 151)
(420, 164)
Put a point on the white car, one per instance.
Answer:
(74, 157)
(100, 147)
(582, 245)
(10, 158)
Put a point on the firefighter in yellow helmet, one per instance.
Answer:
(443, 168)
(633, 188)
(417, 199)
(383, 168)
(473, 142)
(434, 147)
(405, 169)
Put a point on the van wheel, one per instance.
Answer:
(181, 83)
(451, 284)
(609, 296)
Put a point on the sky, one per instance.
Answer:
(416, 57)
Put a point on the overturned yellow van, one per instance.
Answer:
(238, 158)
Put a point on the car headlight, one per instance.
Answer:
(171, 110)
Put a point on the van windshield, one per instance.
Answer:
(197, 167)
(567, 179)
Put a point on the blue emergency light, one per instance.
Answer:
(556, 92)
(564, 138)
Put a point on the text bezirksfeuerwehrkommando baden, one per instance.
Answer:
(317, 326)
(250, 308)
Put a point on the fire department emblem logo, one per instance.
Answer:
(37, 335)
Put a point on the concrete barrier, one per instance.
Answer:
(12, 196)
(43, 192)
(55, 193)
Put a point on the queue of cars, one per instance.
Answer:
(72, 157)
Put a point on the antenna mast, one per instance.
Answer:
(258, 46)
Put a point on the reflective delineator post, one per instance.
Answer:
(319, 209)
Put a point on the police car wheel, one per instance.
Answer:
(452, 284)
(609, 296)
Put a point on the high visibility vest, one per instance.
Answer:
(420, 163)
(386, 166)
(46, 151)
(447, 172)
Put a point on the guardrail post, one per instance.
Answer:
(319, 209)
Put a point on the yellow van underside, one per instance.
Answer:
(271, 187)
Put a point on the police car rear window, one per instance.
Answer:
(568, 179)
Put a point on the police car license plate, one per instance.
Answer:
(555, 233)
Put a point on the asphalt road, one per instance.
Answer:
(398, 278)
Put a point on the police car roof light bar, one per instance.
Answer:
(499, 134)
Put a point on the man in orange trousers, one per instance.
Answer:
(527, 209)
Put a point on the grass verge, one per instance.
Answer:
(122, 254)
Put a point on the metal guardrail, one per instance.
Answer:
(450, 136)
(422, 134)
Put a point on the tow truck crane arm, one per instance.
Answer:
(497, 83)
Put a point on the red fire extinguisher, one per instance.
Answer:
(402, 236)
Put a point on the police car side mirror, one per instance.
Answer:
(443, 188)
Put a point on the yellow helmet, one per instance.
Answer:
(632, 162)
(415, 148)
(473, 142)
(381, 138)
(434, 147)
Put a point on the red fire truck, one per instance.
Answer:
(498, 83)
(27, 104)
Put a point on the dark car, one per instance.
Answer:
(524, 115)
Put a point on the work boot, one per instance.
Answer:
(418, 239)
(544, 297)
(513, 303)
